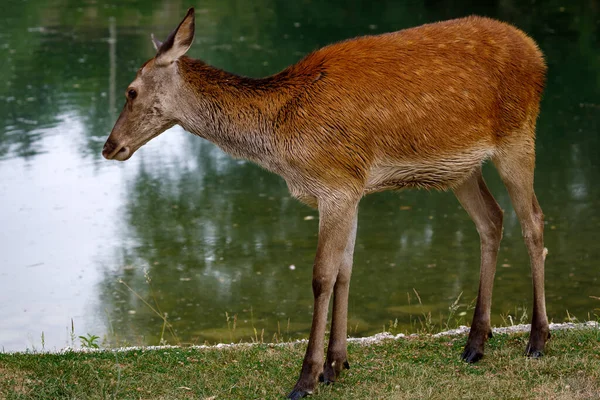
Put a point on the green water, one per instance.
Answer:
(217, 235)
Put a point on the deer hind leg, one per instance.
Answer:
(515, 164)
(337, 356)
(481, 206)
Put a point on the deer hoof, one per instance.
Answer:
(537, 342)
(471, 355)
(297, 394)
(327, 376)
(534, 351)
(535, 354)
(331, 372)
(322, 378)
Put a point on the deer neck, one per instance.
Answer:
(236, 113)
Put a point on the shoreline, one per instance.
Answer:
(374, 339)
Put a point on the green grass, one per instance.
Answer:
(414, 367)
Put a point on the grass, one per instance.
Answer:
(411, 368)
(418, 366)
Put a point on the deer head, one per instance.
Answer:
(152, 97)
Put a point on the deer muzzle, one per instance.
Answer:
(115, 151)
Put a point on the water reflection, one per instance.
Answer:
(218, 235)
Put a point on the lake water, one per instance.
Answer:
(199, 235)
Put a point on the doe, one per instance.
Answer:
(419, 108)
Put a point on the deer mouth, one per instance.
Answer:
(112, 151)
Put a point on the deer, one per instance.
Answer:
(421, 108)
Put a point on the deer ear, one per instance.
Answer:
(157, 43)
(178, 42)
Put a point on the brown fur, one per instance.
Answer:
(422, 107)
(416, 108)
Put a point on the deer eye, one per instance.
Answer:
(132, 94)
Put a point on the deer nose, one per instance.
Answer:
(113, 150)
(109, 149)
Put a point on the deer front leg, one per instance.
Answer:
(337, 356)
(336, 224)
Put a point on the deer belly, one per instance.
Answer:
(438, 173)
